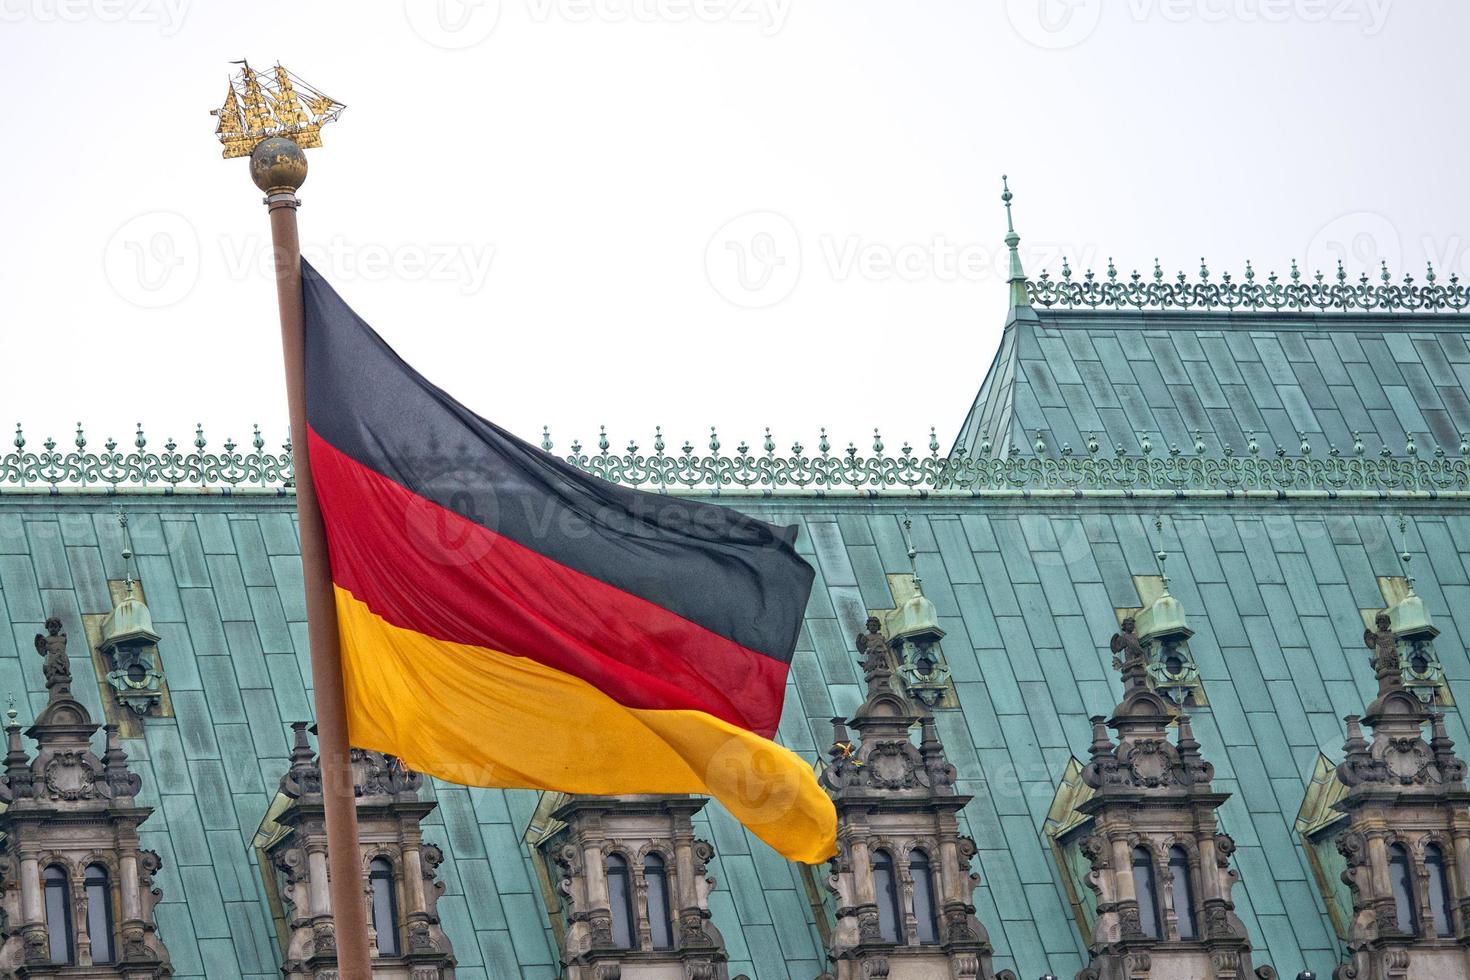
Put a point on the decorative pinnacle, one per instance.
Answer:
(1017, 277)
(908, 541)
(1404, 556)
(10, 712)
(1161, 554)
(127, 550)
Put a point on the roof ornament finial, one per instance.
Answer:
(1161, 554)
(1404, 556)
(1017, 278)
(127, 551)
(908, 540)
(10, 712)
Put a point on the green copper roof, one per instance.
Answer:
(1208, 382)
(1025, 591)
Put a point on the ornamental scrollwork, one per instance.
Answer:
(1091, 469)
(1296, 293)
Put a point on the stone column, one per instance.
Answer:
(128, 885)
(316, 864)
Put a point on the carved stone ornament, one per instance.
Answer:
(71, 808)
(898, 798)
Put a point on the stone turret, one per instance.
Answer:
(636, 890)
(1407, 843)
(78, 895)
(905, 892)
(1160, 866)
(398, 869)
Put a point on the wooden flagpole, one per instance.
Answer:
(278, 167)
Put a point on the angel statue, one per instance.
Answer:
(1128, 655)
(1385, 646)
(1126, 643)
(51, 645)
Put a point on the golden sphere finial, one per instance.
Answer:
(278, 165)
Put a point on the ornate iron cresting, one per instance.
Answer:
(256, 468)
(1316, 294)
(140, 468)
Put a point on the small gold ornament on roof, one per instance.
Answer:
(259, 106)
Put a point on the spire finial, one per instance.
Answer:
(10, 713)
(1017, 277)
(127, 550)
(1161, 554)
(908, 540)
(1404, 556)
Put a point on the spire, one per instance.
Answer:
(1404, 556)
(1161, 554)
(127, 550)
(1017, 278)
(908, 540)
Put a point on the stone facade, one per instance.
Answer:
(635, 890)
(79, 893)
(398, 870)
(902, 875)
(1407, 844)
(1160, 866)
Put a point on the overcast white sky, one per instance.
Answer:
(686, 212)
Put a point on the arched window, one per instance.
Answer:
(885, 888)
(1401, 878)
(385, 906)
(58, 917)
(620, 901)
(924, 905)
(660, 923)
(1146, 887)
(1183, 893)
(99, 913)
(1439, 892)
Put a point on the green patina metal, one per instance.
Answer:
(1092, 469)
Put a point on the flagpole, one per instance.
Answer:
(278, 167)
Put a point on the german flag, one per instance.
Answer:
(508, 620)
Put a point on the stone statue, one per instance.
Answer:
(874, 649)
(1385, 661)
(51, 645)
(1128, 656)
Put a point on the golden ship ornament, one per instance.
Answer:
(259, 106)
